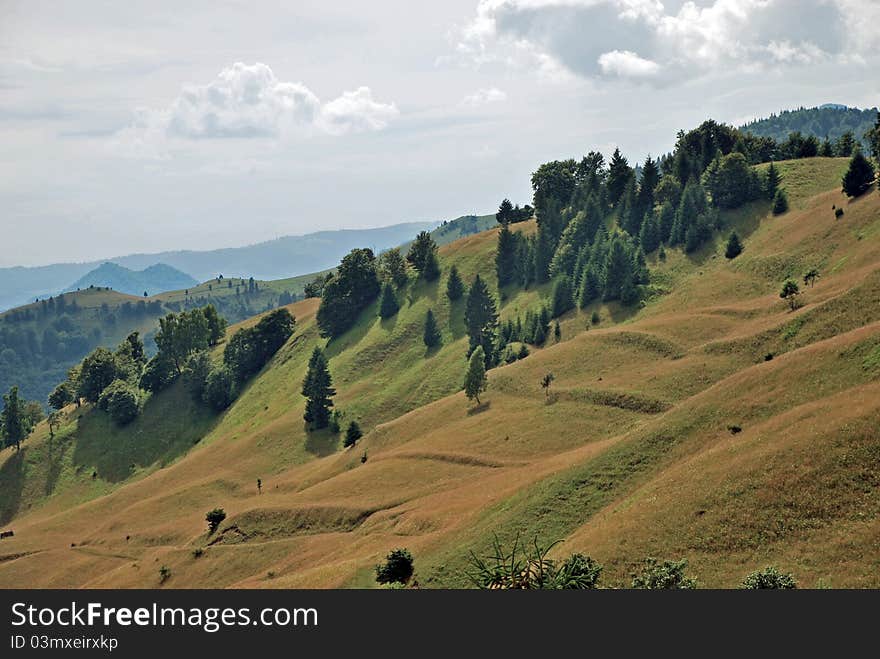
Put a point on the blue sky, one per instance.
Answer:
(142, 126)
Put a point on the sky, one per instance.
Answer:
(146, 126)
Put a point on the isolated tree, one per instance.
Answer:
(563, 296)
(769, 579)
(546, 381)
(215, 518)
(12, 423)
(789, 293)
(352, 434)
(505, 214)
(475, 380)
(388, 305)
(859, 176)
(506, 256)
(454, 285)
(810, 277)
(734, 246)
(431, 335)
(392, 267)
(423, 256)
(780, 202)
(318, 390)
(771, 181)
(398, 568)
(481, 319)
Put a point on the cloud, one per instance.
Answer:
(483, 97)
(248, 101)
(648, 40)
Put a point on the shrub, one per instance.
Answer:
(215, 518)
(529, 568)
(838, 213)
(734, 247)
(780, 202)
(523, 352)
(668, 575)
(398, 568)
(769, 578)
(734, 429)
(164, 573)
(352, 434)
(197, 552)
(120, 400)
(789, 293)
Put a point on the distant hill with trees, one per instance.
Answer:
(831, 120)
(149, 281)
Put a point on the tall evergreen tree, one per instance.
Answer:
(423, 256)
(649, 237)
(454, 285)
(481, 319)
(505, 214)
(618, 269)
(318, 390)
(872, 137)
(563, 297)
(590, 290)
(12, 422)
(771, 181)
(628, 209)
(619, 173)
(859, 176)
(388, 305)
(431, 334)
(647, 185)
(734, 246)
(505, 256)
(475, 380)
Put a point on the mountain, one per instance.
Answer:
(149, 281)
(829, 120)
(713, 422)
(289, 256)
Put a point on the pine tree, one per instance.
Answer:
(431, 335)
(771, 181)
(618, 269)
(505, 214)
(423, 256)
(475, 380)
(647, 185)
(649, 237)
(590, 289)
(505, 256)
(318, 390)
(780, 202)
(734, 246)
(454, 285)
(12, 422)
(481, 319)
(872, 137)
(352, 434)
(827, 149)
(388, 305)
(563, 298)
(859, 176)
(619, 173)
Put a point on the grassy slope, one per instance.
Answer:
(628, 457)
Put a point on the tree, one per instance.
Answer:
(668, 575)
(505, 214)
(872, 137)
(789, 293)
(734, 246)
(546, 381)
(481, 319)
(318, 390)
(61, 396)
(121, 401)
(398, 568)
(618, 270)
(392, 267)
(454, 285)
(557, 332)
(215, 518)
(423, 256)
(731, 181)
(649, 236)
(780, 202)
(54, 422)
(431, 335)
(219, 390)
(845, 145)
(647, 184)
(196, 374)
(352, 434)
(388, 305)
(506, 256)
(619, 174)
(859, 176)
(349, 292)
(771, 181)
(12, 424)
(810, 277)
(182, 334)
(563, 296)
(216, 325)
(475, 381)
(98, 371)
(769, 578)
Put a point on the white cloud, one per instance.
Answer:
(483, 97)
(627, 64)
(248, 101)
(647, 40)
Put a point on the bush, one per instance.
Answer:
(780, 202)
(120, 400)
(769, 578)
(838, 213)
(523, 352)
(219, 389)
(215, 518)
(529, 568)
(668, 575)
(352, 434)
(164, 574)
(734, 247)
(398, 568)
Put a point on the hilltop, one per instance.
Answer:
(830, 120)
(156, 278)
(711, 422)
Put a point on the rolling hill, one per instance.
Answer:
(712, 423)
(155, 279)
(830, 120)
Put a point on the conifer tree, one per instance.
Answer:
(505, 256)
(12, 422)
(649, 237)
(734, 246)
(423, 256)
(318, 390)
(481, 319)
(618, 270)
(619, 173)
(388, 305)
(780, 202)
(771, 181)
(590, 289)
(352, 434)
(431, 335)
(454, 285)
(859, 176)
(563, 298)
(475, 380)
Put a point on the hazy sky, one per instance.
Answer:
(142, 126)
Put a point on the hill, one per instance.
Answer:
(275, 259)
(149, 281)
(829, 120)
(712, 423)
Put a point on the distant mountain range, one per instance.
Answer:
(830, 120)
(275, 259)
(154, 279)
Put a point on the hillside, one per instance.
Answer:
(149, 281)
(829, 121)
(275, 259)
(629, 454)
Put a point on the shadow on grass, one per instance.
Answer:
(479, 409)
(321, 443)
(11, 484)
(170, 424)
